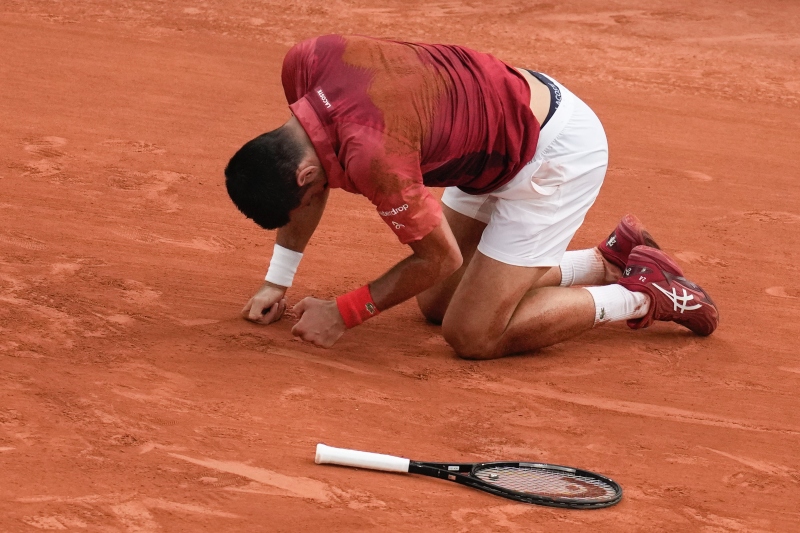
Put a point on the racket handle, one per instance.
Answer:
(373, 461)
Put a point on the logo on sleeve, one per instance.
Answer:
(324, 98)
(393, 211)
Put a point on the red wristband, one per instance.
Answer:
(356, 306)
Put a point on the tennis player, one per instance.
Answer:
(521, 159)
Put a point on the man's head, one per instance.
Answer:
(269, 176)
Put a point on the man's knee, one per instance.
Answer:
(469, 343)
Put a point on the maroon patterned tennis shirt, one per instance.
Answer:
(388, 119)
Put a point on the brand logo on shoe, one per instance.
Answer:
(679, 303)
(638, 270)
(612, 240)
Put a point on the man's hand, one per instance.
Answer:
(267, 305)
(320, 322)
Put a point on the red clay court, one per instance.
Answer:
(133, 398)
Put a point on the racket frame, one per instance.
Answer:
(464, 474)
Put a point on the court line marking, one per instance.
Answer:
(298, 487)
(634, 408)
(761, 466)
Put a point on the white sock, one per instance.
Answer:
(582, 267)
(615, 302)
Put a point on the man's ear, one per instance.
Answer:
(305, 172)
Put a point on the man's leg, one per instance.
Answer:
(500, 309)
(434, 302)
(578, 267)
(492, 307)
(496, 312)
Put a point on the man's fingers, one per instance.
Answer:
(265, 306)
(246, 308)
(300, 329)
(297, 331)
(256, 312)
(274, 312)
(263, 312)
(300, 308)
(304, 335)
(267, 313)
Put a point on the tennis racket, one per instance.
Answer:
(539, 483)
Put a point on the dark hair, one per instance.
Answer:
(261, 178)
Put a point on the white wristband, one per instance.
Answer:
(283, 266)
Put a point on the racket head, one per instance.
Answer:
(547, 484)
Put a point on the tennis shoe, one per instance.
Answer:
(673, 298)
(628, 234)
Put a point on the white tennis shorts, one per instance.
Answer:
(532, 218)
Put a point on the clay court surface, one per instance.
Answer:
(133, 398)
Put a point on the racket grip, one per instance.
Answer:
(373, 461)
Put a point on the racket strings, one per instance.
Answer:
(547, 483)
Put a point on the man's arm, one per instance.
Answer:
(305, 219)
(435, 257)
(268, 304)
